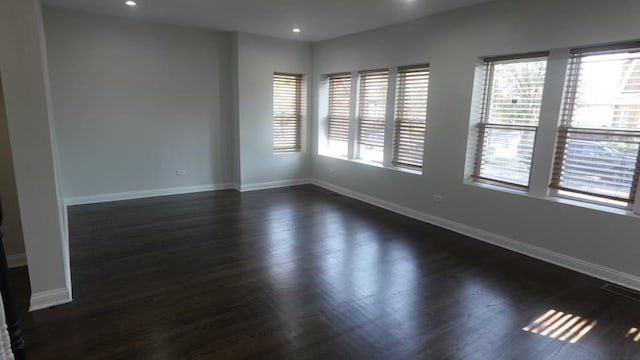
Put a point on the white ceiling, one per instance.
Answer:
(318, 19)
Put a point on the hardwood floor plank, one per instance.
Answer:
(301, 273)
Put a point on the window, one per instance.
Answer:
(371, 114)
(599, 137)
(339, 114)
(411, 116)
(510, 113)
(287, 112)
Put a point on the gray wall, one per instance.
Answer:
(258, 58)
(12, 229)
(452, 43)
(235, 112)
(135, 101)
(23, 68)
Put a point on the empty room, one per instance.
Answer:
(355, 179)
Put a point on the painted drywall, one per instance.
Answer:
(452, 43)
(258, 58)
(135, 102)
(12, 228)
(235, 113)
(24, 72)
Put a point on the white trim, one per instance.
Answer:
(376, 164)
(129, 195)
(636, 204)
(353, 115)
(550, 110)
(47, 299)
(16, 260)
(389, 118)
(581, 266)
(272, 184)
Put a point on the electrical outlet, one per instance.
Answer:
(332, 171)
(438, 199)
(181, 172)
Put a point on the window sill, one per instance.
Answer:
(374, 164)
(494, 187)
(406, 170)
(339, 157)
(592, 206)
(287, 152)
(365, 162)
(555, 199)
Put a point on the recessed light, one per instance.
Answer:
(131, 3)
(296, 30)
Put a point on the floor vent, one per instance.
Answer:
(624, 292)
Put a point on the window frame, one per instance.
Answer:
(483, 125)
(564, 131)
(299, 112)
(330, 115)
(398, 121)
(358, 117)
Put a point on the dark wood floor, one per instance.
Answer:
(301, 273)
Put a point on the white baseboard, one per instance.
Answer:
(273, 184)
(50, 298)
(131, 195)
(575, 264)
(16, 260)
(93, 199)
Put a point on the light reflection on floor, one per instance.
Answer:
(634, 334)
(561, 326)
(360, 269)
(282, 242)
(365, 272)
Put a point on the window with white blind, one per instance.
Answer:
(511, 104)
(411, 116)
(339, 114)
(599, 137)
(371, 114)
(287, 112)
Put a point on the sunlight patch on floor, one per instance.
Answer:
(562, 326)
(633, 333)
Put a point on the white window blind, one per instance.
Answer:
(411, 115)
(339, 106)
(512, 98)
(339, 119)
(371, 114)
(287, 112)
(599, 137)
